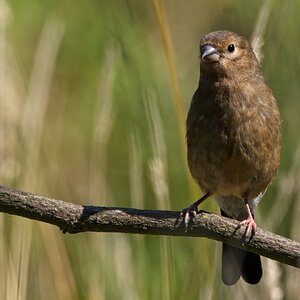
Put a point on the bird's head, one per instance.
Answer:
(225, 53)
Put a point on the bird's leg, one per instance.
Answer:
(192, 210)
(249, 222)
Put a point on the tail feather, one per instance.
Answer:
(252, 270)
(231, 264)
(237, 262)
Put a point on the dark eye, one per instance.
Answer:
(231, 48)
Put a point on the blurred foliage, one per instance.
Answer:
(109, 120)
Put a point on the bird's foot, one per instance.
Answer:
(250, 227)
(189, 213)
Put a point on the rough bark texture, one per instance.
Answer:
(73, 218)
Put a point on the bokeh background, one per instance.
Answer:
(93, 97)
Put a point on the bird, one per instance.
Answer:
(233, 141)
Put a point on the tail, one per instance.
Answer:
(237, 262)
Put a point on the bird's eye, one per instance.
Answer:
(231, 48)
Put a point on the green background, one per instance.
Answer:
(87, 115)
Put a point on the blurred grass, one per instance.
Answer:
(87, 115)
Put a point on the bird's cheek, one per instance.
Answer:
(225, 65)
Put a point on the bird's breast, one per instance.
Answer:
(233, 144)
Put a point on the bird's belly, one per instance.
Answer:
(234, 176)
(220, 171)
(233, 156)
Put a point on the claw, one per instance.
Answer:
(250, 227)
(249, 223)
(191, 212)
(187, 214)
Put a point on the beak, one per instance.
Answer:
(209, 54)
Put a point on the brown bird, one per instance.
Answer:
(233, 141)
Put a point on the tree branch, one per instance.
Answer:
(73, 218)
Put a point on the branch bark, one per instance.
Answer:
(74, 218)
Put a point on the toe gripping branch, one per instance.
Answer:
(249, 223)
(190, 212)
